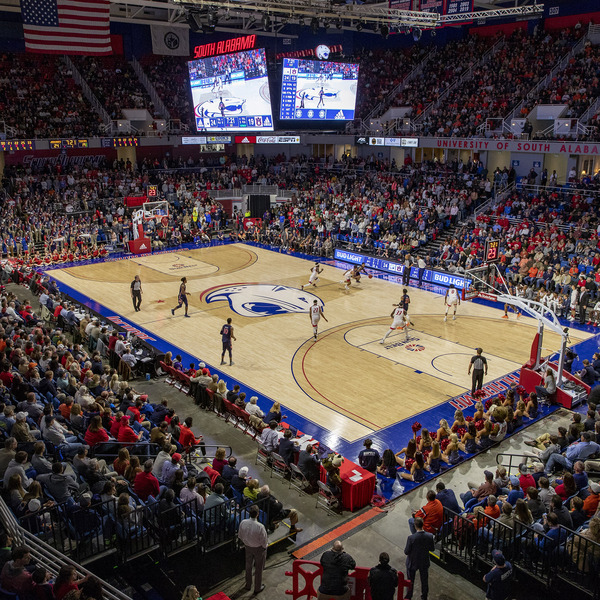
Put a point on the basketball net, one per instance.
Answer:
(500, 292)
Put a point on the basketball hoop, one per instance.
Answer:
(158, 210)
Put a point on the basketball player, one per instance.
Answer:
(315, 313)
(182, 297)
(226, 337)
(314, 276)
(356, 271)
(451, 299)
(222, 107)
(347, 279)
(404, 303)
(136, 293)
(513, 291)
(321, 98)
(400, 321)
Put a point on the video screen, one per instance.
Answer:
(313, 90)
(231, 92)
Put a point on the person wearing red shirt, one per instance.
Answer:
(432, 514)
(126, 432)
(95, 433)
(526, 480)
(187, 439)
(145, 483)
(590, 504)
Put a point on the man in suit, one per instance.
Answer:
(418, 547)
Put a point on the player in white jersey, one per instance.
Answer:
(347, 279)
(451, 300)
(400, 321)
(314, 276)
(316, 312)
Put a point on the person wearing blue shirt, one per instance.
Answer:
(553, 537)
(447, 497)
(579, 475)
(369, 458)
(515, 492)
(498, 580)
(580, 450)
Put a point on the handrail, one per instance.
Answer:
(87, 91)
(417, 69)
(228, 449)
(542, 83)
(464, 77)
(522, 458)
(154, 96)
(51, 558)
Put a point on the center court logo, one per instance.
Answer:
(263, 300)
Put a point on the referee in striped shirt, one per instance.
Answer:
(479, 365)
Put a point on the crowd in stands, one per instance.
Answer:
(115, 84)
(170, 77)
(81, 207)
(441, 72)
(66, 413)
(496, 87)
(380, 72)
(577, 86)
(40, 99)
(31, 102)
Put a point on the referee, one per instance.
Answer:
(136, 293)
(479, 365)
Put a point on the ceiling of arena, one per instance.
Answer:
(248, 16)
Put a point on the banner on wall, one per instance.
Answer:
(395, 268)
(170, 41)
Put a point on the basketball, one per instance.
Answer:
(370, 276)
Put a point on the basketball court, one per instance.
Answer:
(346, 383)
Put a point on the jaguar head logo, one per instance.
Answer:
(262, 300)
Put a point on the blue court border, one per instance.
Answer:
(393, 436)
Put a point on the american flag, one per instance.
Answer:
(67, 26)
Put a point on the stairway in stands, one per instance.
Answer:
(433, 246)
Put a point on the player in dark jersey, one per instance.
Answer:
(404, 304)
(182, 297)
(226, 337)
(321, 97)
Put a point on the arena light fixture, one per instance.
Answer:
(266, 21)
(359, 26)
(385, 31)
(417, 33)
(314, 25)
(371, 16)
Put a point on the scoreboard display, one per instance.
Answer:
(66, 144)
(125, 142)
(15, 145)
(492, 250)
(318, 90)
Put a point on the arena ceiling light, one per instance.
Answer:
(345, 16)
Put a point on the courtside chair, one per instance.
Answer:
(298, 480)
(325, 498)
(262, 457)
(279, 467)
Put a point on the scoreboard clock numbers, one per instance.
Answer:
(492, 250)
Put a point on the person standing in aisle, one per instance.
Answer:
(254, 537)
(479, 365)
(417, 549)
(383, 579)
(136, 293)
(226, 337)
